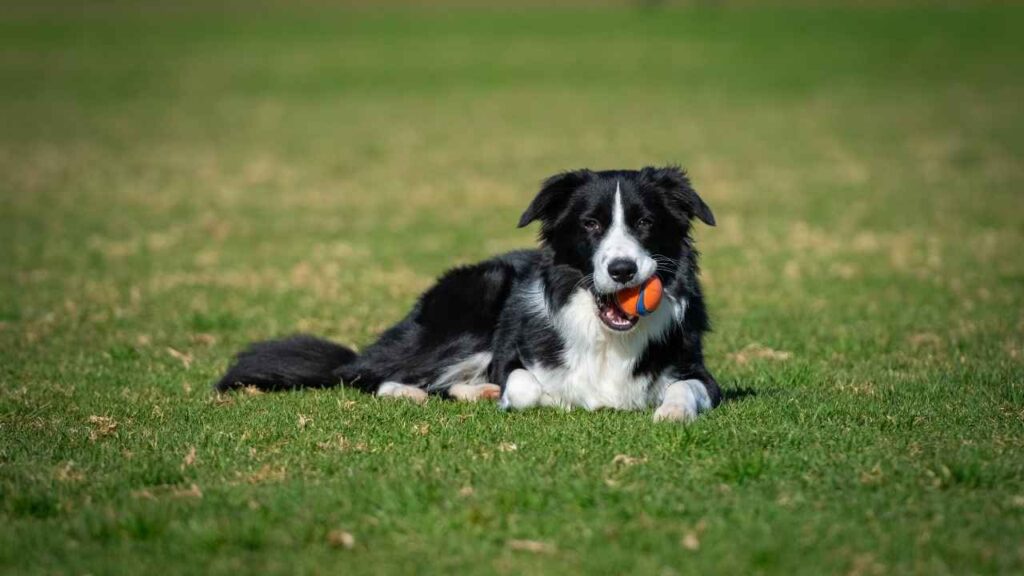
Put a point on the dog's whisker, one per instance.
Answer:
(666, 264)
(585, 280)
(664, 258)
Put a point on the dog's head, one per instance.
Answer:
(619, 228)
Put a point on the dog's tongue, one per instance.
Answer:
(613, 316)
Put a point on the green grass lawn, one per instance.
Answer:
(177, 182)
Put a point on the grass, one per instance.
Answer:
(179, 182)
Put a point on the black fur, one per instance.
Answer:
(485, 307)
(296, 362)
(451, 321)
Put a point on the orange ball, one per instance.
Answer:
(641, 300)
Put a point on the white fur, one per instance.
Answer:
(535, 302)
(597, 364)
(682, 401)
(398, 390)
(678, 307)
(471, 371)
(619, 243)
(522, 390)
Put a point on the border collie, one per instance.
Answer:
(541, 327)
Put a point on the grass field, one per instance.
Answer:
(177, 182)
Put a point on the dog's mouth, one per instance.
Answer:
(612, 316)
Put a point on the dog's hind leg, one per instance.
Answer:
(474, 392)
(398, 390)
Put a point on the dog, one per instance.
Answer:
(541, 327)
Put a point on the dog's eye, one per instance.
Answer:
(591, 225)
(644, 223)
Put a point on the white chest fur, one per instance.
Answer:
(597, 364)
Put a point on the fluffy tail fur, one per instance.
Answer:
(296, 362)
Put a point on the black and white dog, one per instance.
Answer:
(540, 327)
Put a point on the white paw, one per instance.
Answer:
(474, 392)
(397, 390)
(682, 401)
(522, 390)
(675, 413)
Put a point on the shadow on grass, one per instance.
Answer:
(737, 394)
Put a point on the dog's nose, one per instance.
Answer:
(622, 269)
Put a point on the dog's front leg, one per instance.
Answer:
(683, 400)
(522, 390)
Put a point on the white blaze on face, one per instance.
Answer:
(619, 243)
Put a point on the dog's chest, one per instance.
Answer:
(603, 379)
(597, 366)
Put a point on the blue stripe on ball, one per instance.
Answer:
(640, 309)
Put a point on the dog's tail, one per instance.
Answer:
(299, 361)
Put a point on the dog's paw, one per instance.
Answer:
(683, 400)
(675, 412)
(490, 392)
(474, 392)
(397, 390)
(522, 390)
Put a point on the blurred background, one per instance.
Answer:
(238, 155)
(250, 163)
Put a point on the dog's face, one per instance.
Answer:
(618, 228)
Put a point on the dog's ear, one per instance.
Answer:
(554, 193)
(676, 184)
